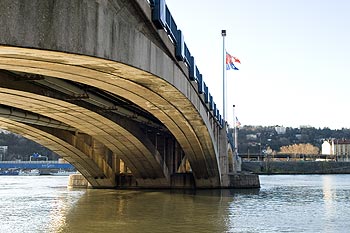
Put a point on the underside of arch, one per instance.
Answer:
(89, 167)
(169, 106)
(145, 164)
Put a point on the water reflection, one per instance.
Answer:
(328, 196)
(283, 204)
(59, 206)
(149, 211)
(216, 192)
(33, 204)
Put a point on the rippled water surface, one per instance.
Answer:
(313, 203)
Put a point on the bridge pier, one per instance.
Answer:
(244, 181)
(178, 181)
(77, 181)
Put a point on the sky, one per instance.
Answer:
(294, 58)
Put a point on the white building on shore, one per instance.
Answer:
(338, 147)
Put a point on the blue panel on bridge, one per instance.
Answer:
(206, 93)
(200, 84)
(24, 165)
(159, 14)
(180, 46)
(170, 25)
(187, 55)
(193, 68)
(211, 103)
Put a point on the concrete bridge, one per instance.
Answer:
(111, 86)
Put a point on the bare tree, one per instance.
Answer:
(306, 149)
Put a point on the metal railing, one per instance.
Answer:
(162, 19)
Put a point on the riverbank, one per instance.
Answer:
(296, 167)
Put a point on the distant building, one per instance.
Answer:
(251, 136)
(328, 147)
(338, 147)
(342, 149)
(305, 127)
(3, 152)
(280, 129)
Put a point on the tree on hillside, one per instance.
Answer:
(22, 148)
(306, 149)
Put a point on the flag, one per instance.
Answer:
(238, 124)
(230, 60)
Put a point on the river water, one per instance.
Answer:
(288, 203)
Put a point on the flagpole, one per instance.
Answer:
(223, 33)
(235, 131)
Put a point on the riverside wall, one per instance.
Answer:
(296, 167)
(244, 180)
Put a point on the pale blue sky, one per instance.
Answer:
(294, 56)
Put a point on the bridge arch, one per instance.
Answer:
(144, 164)
(182, 120)
(118, 50)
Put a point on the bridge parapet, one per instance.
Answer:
(163, 20)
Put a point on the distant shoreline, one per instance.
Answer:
(296, 167)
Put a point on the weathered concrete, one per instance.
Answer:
(183, 181)
(244, 181)
(77, 181)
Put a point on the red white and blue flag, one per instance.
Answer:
(230, 60)
(238, 123)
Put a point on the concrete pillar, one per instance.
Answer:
(223, 157)
(99, 154)
(77, 181)
(116, 163)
